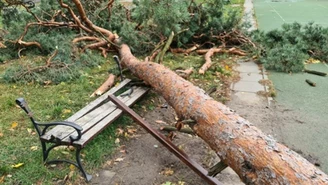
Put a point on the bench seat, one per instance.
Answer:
(93, 119)
(84, 125)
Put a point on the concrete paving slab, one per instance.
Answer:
(249, 97)
(251, 77)
(248, 67)
(248, 17)
(245, 86)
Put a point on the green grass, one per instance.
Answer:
(48, 103)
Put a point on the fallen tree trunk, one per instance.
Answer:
(254, 156)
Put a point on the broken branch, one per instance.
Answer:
(315, 72)
(220, 50)
(105, 86)
(185, 51)
(208, 61)
(185, 73)
(184, 130)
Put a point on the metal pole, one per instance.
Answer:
(167, 143)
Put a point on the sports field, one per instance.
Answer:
(310, 135)
(272, 14)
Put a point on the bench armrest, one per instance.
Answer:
(23, 104)
(77, 128)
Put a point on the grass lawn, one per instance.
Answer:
(18, 139)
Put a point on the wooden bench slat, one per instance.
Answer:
(99, 116)
(96, 102)
(88, 136)
(87, 108)
(60, 131)
(90, 119)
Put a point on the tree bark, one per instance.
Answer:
(254, 156)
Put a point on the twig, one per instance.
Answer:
(184, 130)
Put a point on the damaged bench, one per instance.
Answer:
(79, 129)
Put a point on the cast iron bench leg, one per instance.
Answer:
(45, 151)
(78, 160)
(78, 163)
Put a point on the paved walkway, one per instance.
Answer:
(248, 88)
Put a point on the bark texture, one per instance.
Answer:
(254, 156)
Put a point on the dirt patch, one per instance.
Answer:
(143, 160)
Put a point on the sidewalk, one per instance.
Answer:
(248, 88)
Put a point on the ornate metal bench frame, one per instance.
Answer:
(75, 140)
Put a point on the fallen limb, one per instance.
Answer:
(315, 72)
(184, 130)
(153, 56)
(236, 52)
(105, 86)
(2, 45)
(208, 61)
(310, 83)
(103, 51)
(86, 38)
(220, 50)
(96, 45)
(185, 73)
(185, 51)
(27, 44)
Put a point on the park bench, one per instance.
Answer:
(79, 129)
